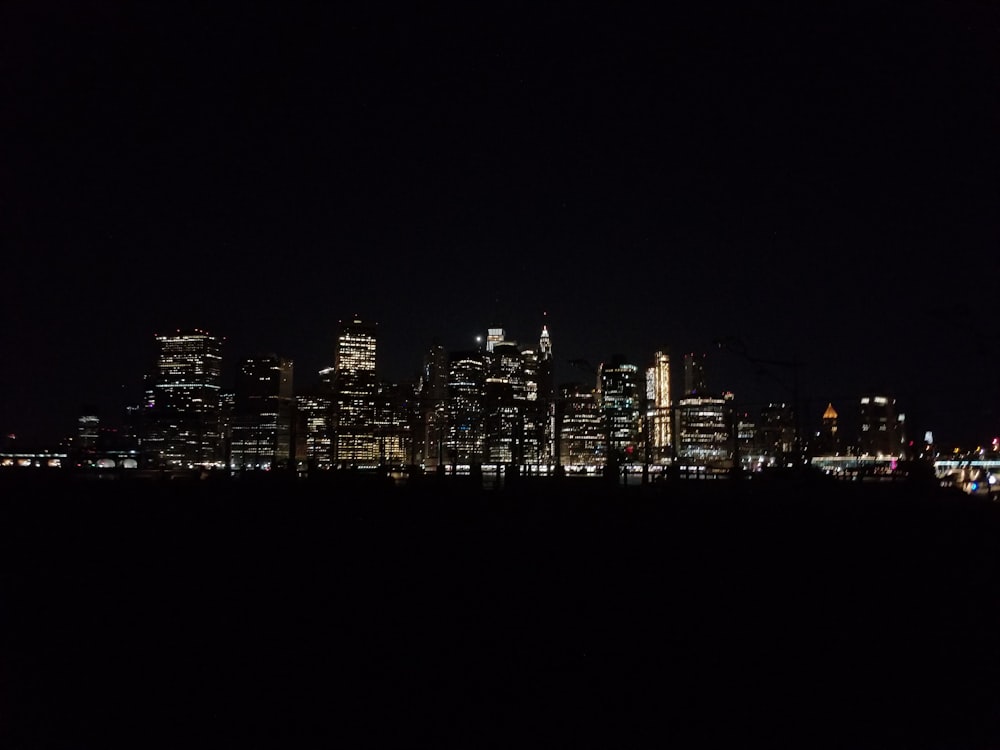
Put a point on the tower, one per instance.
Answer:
(881, 428)
(659, 407)
(261, 426)
(355, 389)
(465, 409)
(618, 396)
(694, 374)
(183, 429)
(828, 442)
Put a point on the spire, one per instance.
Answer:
(830, 412)
(545, 342)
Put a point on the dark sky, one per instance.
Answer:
(820, 184)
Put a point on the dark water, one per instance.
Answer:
(785, 614)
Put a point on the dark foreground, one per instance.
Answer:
(772, 614)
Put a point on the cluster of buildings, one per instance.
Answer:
(492, 406)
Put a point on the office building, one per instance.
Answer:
(581, 436)
(703, 430)
(659, 409)
(619, 394)
(881, 427)
(464, 409)
(261, 422)
(694, 374)
(183, 425)
(355, 388)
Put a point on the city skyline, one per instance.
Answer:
(656, 392)
(809, 186)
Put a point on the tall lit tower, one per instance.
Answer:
(618, 396)
(658, 398)
(547, 397)
(355, 389)
(183, 429)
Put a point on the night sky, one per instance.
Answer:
(820, 185)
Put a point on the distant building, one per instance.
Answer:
(694, 374)
(582, 439)
(619, 394)
(659, 406)
(433, 395)
(395, 409)
(703, 429)
(87, 428)
(261, 422)
(183, 428)
(828, 437)
(776, 431)
(881, 427)
(464, 438)
(355, 388)
(314, 423)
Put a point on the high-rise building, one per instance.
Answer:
(465, 409)
(776, 432)
(546, 407)
(881, 427)
(618, 394)
(703, 431)
(315, 422)
(395, 408)
(659, 408)
(183, 428)
(694, 374)
(261, 422)
(433, 395)
(828, 438)
(355, 388)
(582, 440)
(506, 392)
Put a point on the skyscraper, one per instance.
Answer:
(433, 394)
(694, 374)
(659, 408)
(355, 388)
(464, 439)
(618, 395)
(183, 427)
(582, 442)
(881, 427)
(261, 424)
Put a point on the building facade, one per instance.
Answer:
(262, 416)
(355, 390)
(183, 422)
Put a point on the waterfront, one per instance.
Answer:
(261, 615)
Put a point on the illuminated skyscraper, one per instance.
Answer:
(183, 426)
(261, 423)
(315, 422)
(828, 438)
(546, 398)
(618, 395)
(464, 412)
(582, 440)
(355, 388)
(659, 408)
(703, 432)
(395, 409)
